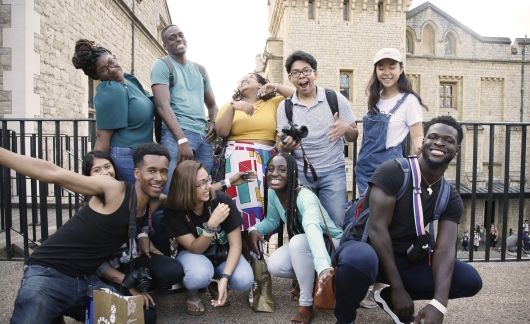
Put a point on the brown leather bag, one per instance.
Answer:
(326, 299)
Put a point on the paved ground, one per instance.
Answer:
(505, 298)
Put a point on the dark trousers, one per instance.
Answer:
(357, 268)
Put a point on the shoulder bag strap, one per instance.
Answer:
(331, 97)
(398, 104)
(171, 69)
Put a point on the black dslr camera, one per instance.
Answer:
(139, 278)
(295, 131)
(420, 249)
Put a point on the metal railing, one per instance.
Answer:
(490, 173)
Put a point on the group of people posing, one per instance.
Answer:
(284, 164)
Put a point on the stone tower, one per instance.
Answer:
(343, 35)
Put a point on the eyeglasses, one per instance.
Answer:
(305, 72)
(111, 63)
(203, 184)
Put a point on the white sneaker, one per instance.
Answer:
(368, 301)
(384, 305)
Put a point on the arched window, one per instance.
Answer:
(346, 10)
(450, 44)
(311, 9)
(410, 42)
(428, 40)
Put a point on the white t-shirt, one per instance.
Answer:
(408, 114)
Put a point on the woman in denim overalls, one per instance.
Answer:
(392, 113)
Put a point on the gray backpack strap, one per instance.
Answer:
(166, 59)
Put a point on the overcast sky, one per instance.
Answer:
(225, 36)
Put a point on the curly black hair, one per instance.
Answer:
(86, 54)
(237, 96)
(447, 120)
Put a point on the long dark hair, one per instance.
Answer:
(88, 163)
(237, 96)
(294, 225)
(374, 88)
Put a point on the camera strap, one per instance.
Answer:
(308, 165)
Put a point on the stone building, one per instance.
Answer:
(455, 70)
(37, 38)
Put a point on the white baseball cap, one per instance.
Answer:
(388, 53)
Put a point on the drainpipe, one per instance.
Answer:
(522, 81)
(132, 36)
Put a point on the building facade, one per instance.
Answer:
(37, 78)
(455, 70)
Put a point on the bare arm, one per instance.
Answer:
(283, 90)
(224, 124)
(197, 245)
(209, 100)
(351, 133)
(416, 136)
(163, 108)
(234, 253)
(382, 211)
(48, 172)
(103, 137)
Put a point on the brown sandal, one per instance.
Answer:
(303, 315)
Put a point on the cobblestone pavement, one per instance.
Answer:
(504, 299)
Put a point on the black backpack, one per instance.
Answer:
(158, 120)
(357, 215)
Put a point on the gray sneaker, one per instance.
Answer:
(368, 301)
(384, 305)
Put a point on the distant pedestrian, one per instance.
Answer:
(493, 236)
(465, 240)
(476, 239)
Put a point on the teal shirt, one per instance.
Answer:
(125, 109)
(187, 95)
(309, 208)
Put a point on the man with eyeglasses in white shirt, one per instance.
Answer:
(324, 144)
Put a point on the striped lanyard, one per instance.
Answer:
(416, 196)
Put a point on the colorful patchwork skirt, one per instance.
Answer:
(249, 197)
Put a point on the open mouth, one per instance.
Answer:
(436, 152)
(303, 84)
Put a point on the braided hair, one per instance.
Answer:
(294, 225)
(86, 54)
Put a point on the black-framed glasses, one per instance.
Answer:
(305, 72)
(111, 63)
(203, 184)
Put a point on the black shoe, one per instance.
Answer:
(384, 304)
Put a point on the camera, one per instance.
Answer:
(139, 278)
(420, 249)
(295, 131)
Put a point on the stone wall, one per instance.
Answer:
(63, 90)
(5, 58)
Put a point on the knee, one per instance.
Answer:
(298, 244)
(468, 280)
(242, 278)
(278, 266)
(198, 274)
(359, 256)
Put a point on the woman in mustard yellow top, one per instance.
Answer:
(249, 123)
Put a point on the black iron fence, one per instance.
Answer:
(490, 173)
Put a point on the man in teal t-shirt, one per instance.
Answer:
(182, 107)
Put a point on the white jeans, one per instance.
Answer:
(295, 261)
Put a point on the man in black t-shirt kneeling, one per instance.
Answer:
(391, 230)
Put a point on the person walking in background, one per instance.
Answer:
(394, 110)
(249, 124)
(124, 112)
(182, 107)
(465, 240)
(493, 236)
(476, 239)
(326, 131)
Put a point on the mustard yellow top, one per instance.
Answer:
(260, 126)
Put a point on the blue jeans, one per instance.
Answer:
(123, 160)
(202, 151)
(199, 271)
(331, 190)
(46, 294)
(357, 269)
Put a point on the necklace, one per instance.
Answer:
(429, 189)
